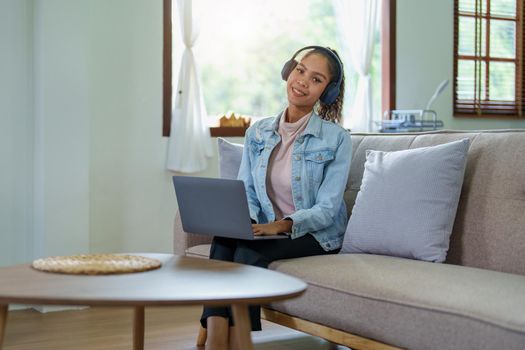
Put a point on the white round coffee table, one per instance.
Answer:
(180, 281)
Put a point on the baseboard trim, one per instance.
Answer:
(56, 308)
(15, 307)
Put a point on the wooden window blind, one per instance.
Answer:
(489, 68)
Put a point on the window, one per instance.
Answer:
(241, 55)
(251, 41)
(489, 65)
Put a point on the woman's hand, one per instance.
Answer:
(273, 228)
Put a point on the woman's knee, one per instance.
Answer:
(222, 249)
(245, 255)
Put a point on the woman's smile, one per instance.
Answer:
(298, 92)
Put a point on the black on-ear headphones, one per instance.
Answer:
(332, 90)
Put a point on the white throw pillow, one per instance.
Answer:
(407, 202)
(230, 156)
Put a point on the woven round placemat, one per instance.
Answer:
(96, 264)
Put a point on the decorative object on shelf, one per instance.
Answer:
(234, 121)
(406, 120)
(96, 264)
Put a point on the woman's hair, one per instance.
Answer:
(333, 111)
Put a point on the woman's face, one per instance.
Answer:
(307, 81)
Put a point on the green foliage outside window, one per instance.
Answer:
(243, 46)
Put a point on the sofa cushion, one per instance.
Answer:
(487, 230)
(199, 251)
(408, 201)
(410, 304)
(230, 155)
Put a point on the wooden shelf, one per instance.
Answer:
(227, 131)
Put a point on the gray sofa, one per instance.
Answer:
(476, 300)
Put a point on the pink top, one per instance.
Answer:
(279, 176)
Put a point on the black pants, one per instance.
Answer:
(258, 253)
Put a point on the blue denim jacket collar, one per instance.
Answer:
(312, 128)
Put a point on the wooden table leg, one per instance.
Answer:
(138, 328)
(242, 327)
(3, 322)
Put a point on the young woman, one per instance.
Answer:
(295, 168)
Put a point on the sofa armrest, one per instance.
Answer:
(183, 240)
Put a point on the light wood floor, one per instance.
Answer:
(173, 328)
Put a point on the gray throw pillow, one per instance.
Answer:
(407, 202)
(230, 155)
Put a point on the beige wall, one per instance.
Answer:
(62, 117)
(16, 130)
(131, 199)
(80, 105)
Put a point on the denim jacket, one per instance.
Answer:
(321, 158)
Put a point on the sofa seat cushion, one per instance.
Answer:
(199, 251)
(410, 304)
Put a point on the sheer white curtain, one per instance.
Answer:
(189, 145)
(357, 21)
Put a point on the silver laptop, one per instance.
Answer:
(216, 207)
